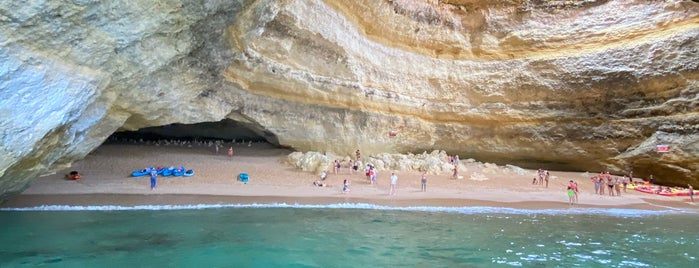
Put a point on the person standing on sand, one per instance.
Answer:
(358, 155)
(423, 181)
(571, 195)
(366, 172)
(394, 181)
(691, 192)
(153, 178)
(230, 152)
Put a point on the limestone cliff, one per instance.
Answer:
(582, 85)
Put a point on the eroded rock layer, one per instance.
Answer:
(578, 85)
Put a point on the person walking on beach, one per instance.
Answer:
(153, 178)
(372, 175)
(394, 181)
(230, 152)
(423, 181)
(691, 192)
(345, 186)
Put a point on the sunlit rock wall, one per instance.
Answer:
(580, 85)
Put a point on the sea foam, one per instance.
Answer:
(619, 212)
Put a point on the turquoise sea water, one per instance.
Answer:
(345, 235)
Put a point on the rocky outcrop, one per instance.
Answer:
(577, 85)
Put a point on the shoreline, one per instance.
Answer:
(106, 181)
(28, 201)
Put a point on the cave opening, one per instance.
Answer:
(226, 130)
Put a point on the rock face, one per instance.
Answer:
(578, 85)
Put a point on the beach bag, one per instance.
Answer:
(243, 177)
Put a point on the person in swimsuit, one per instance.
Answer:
(571, 195)
(691, 192)
(394, 181)
(610, 184)
(423, 181)
(153, 178)
(345, 186)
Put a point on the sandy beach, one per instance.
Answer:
(106, 180)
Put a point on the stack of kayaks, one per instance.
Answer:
(164, 171)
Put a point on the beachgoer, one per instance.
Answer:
(366, 172)
(216, 147)
(423, 181)
(358, 155)
(571, 195)
(323, 175)
(691, 192)
(574, 186)
(345, 186)
(595, 180)
(320, 184)
(534, 180)
(394, 181)
(631, 177)
(230, 151)
(372, 174)
(546, 178)
(624, 182)
(610, 184)
(355, 167)
(617, 187)
(456, 172)
(153, 178)
(74, 175)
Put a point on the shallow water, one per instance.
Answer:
(345, 235)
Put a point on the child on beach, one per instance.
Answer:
(345, 186)
(571, 195)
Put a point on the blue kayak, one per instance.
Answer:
(179, 171)
(168, 171)
(142, 172)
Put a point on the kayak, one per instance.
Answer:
(142, 172)
(643, 189)
(178, 172)
(188, 173)
(168, 171)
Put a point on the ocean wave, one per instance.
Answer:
(620, 212)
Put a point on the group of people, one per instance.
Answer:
(612, 184)
(543, 178)
(371, 174)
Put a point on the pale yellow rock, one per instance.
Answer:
(577, 85)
